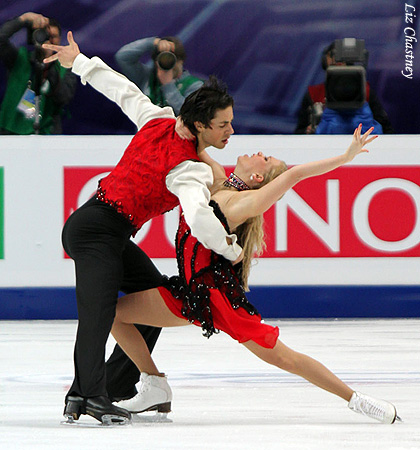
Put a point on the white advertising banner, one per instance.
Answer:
(358, 225)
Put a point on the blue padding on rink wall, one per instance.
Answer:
(271, 301)
(37, 303)
(336, 301)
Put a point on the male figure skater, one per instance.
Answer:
(157, 171)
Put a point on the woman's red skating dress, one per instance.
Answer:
(208, 293)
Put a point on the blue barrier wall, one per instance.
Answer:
(272, 302)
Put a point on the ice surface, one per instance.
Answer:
(224, 397)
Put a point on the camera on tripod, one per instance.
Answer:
(345, 85)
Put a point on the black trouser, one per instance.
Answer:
(97, 238)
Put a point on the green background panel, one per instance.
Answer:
(1, 214)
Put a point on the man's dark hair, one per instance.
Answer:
(54, 23)
(201, 105)
(328, 51)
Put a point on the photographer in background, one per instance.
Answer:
(345, 98)
(163, 79)
(36, 93)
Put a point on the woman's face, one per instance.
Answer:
(258, 163)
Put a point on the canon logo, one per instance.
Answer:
(328, 230)
(352, 212)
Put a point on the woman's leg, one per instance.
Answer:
(299, 364)
(148, 308)
(140, 274)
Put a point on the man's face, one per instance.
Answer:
(332, 62)
(219, 130)
(55, 39)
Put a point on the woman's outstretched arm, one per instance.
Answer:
(252, 203)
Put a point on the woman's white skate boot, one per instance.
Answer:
(154, 395)
(380, 410)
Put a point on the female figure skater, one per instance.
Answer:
(209, 291)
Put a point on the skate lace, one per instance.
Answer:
(371, 408)
(145, 385)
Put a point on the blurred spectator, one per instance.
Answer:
(36, 93)
(314, 117)
(163, 79)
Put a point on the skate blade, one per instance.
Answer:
(398, 419)
(110, 420)
(151, 418)
(87, 423)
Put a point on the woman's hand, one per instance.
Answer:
(359, 141)
(182, 130)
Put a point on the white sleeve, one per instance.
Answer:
(190, 182)
(119, 89)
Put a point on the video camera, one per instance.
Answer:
(345, 85)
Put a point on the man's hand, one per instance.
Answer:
(164, 46)
(310, 129)
(239, 258)
(165, 76)
(36, 20)
(65, 54)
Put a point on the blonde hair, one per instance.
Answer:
(251, 235)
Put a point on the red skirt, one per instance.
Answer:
(237, 323)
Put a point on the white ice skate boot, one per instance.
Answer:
(154, 394)
(380, 410)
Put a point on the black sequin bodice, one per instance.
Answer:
(200, 271)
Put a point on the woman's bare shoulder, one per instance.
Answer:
(228, 203)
